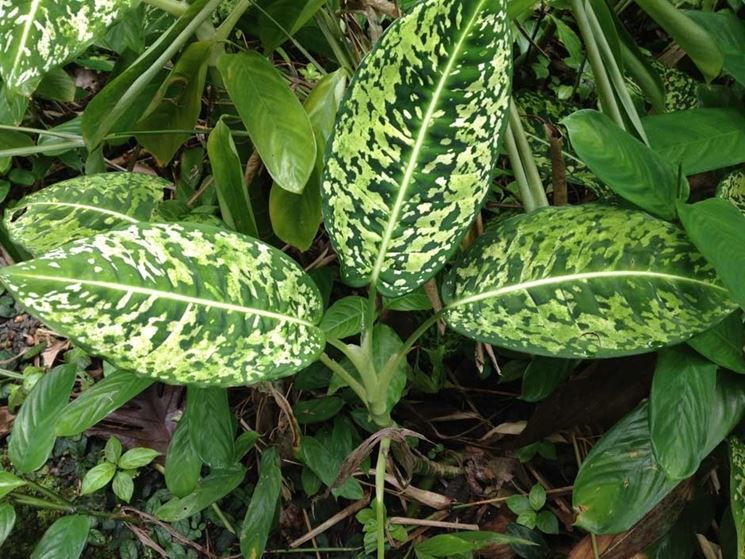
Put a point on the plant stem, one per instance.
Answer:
(40, 503)
(173, 7)
(380, 468)
(345, 376)
(526, 157)
(222, 518)
(526, 195)
(325, 22)
(48, 492)
(235, 14)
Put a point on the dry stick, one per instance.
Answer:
(173, 532)
(558, 491)
(433, 523)
(338, 517)
(430, 288)
(558, 168)
(313, 539)
(253, 165)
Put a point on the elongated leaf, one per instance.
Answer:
(186, 303)
(296, 217)
(317, 410)
(698, 139)
(462, 544)
(416, 141)
(583, 281)
(737, 490)
(33, 434)
(98, 477)
(717, 229)
(183, 464)
(177, 103)
(65, 539)
(691, 37)
(284, 18)
(260, 514)
(81, 207)
(98, 401)
(214, 434)
(626, 165)
(280, 131)
(683, 394)
(728, 31)
(345, 317)
(543, 374)
(137, 458)
(7, 520)
(9, 482)
(209, 490)
(41, 34)
(732, 188)
(724, 344)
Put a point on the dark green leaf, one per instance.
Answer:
(9, 482)
(57, 85)
(724, 343)
(728, 32)
(281, 131)
(260, 514)
(98, 401)
(97, 477)
(345, 317)
(315, 411)
(626, 165)
(386, 343)
(183, 464)
(244, 443)
(543, 374)
(65, 539)
(717, 229)
(230, 182)
(7, 520)
(283, 18)
(415, 301)
(33, 434)
(213, 432)
(456, 543)
(137, 458)
(209, 490)
(323, 463)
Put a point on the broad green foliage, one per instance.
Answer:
(182, 303)
(732, 188)
(7, 520)
(728, 32)
(81, 207)
(737, 490)
(38, 35)
(65, 539)
(724, 344)
(183, 464)
(260, 514)
(209, 490)
(583, 281)
(415, 142)
(213, 438)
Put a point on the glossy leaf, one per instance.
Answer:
(626, 165)
(728, 32)
(543, 374)
(583, 281)
(186, 303)
(98, 477)
(296, 217)
(183, 464)
(33, 435)
(113, 450)
(7, 520)
(9, 482)
(213, 434)
(230, 184)
(123, 486)
(81, 207)
(260, 514)
(65, 539)
(98, 401)
(737, 490)
(732, 188)
(692, 38)
(717, 229)
(176, 104)
(699, 140)
(724, 344)
(137, 458)
(39, 35)
(209, 490)
(416, 141)
(345, 317)
(281, 131)
(683, 394)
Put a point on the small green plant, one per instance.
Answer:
(528, 510)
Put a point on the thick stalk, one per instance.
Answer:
(380, 468)
(526, 195)
(325, 21)
(345, 376)
(173, 7)
(526, 156)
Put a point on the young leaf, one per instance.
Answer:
(618, 282)
(684, 391)
(547, 522)
(244, 311)
(213, 435)
(98, 401)
(81, 207)
(7, 520)
(699, 140)
(619, 481)
(537, 497)
(260, 514)
(33, 435)
(737, 490)
(345, 317)
(113, 450)
(209, 490)
(416, 141)
(65, 539)
(137, 458)
(176, 104)
(230, 183)
(98, 477)
(183, 464)
(543, 374)
(296, 217)
(717, 229)
(626, 165)
(9, 482)
(519, 504)
(724, 343)
(39, 35)
(123, 486)
(281, 131)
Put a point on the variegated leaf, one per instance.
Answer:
(81, 207)
(415, 142)
(732, 188)
(737, 490)
(37, 35)
(584, 281)
(181, 303)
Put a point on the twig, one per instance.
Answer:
(338, 517)
(433, 523)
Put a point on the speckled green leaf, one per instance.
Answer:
(737, 490)
(37, 35)
(81, 207)
(415, 142)
(177, 302)
(732, 188)
(583, 281)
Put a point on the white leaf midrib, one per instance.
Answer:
(83, 207)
